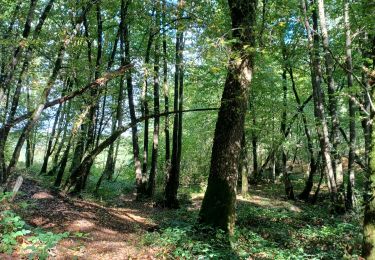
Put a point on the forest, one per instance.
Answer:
(187, 129)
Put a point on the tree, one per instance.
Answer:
(368, 249)
(219, 203)
(350, 198)
(173, 180)
(155, 139)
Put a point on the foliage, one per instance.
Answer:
(15, 234)
(270, 229)
(42, 241)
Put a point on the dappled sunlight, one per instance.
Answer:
(272, 203)
(82, 225)
(42, 195)
(107, 226)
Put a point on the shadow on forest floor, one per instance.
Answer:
(268, 227)
(106, 232)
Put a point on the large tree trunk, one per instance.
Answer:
(368, 249)
(219, 203)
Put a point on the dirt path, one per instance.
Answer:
(109, 233)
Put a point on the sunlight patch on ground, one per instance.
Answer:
(81, 225)
(266, 202)
(131, 217)
(42, 195)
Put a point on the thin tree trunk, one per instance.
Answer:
(43, 100)
(60, 144)
(145, 109)
(287, 182)
(50, 141)
(4, 84)
(140, 184)
(350, 196)
(82, 169)
(316, 76)
(335, 141)
(310, 148)
(173, 180)
(93, 119)
(244, 167)
(166, 91)
(155, 140)
(254, 140)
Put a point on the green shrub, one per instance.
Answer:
(13, 229)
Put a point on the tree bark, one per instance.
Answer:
(304, 195)
(368, 248)
(145, 109)
(332, 109)
(155, 140)
(50, 141)
(244, 168)
(173, 180)
(319, 111)
(254, 140)
(287, 182)
(166, 91)
(350, 196)
(219, 202)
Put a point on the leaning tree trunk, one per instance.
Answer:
(50, 141)
(287, 182)
(38, 111)
(219, 202)
(304, 195)
(93, 119)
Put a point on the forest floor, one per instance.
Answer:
(268, 227)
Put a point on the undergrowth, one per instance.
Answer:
(16, 235)
(261, 233)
